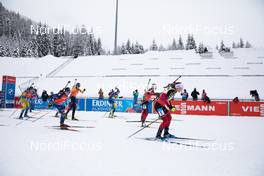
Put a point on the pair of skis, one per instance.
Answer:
(188, 142)
(34, 118)
(70, 128)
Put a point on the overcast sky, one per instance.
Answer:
(145, 20)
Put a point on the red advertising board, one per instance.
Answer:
(17, 103)
(219, 108)
(9, 79)
(247, 109)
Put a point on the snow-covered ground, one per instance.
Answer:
(222, 78)
(33, 148)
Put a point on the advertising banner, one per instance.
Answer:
(247, 109)
(17, 103)
(123, 105)
(81, 104)
(219, 108)
(8, 91)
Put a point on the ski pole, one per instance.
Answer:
(75, 80)
(177, 78)
(13, 113)
(173, 82)
(67, 84)
(41, 116)
(23, 121)
(148, 83)
(143, 128)
(105, 113)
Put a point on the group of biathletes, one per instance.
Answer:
(162, 106)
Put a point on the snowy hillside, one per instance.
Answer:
(222, 78)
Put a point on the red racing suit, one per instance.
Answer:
(149, 96)
(163, 107)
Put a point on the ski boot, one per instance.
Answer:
(75, 119)
(26, 115)
(143, 124)
(167, 134)
(158, 135)
(111, 114)
(64, 126)
(21, 116)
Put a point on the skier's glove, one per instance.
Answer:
(84, 90)
(173, 109)
(50, 104)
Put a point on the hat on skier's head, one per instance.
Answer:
(154, 86)
(178, 86)
(171, 93)
(78, 85)
(67, 90)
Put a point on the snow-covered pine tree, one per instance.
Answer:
(2, 51)
(241, 43)
(123, 49)
(154, 46)
(24, 51)
(192, 43)
(133, 49)
(201, 48)
(222, 45)
(248, 45)
(173, 46)
(161, 48)
(91, 42)
(138, 48)
(188, 42)
(56, 44)
(128, 47)
(43, 42)
(180, 44)
(234, 45)
(99, 49)
(15, 52)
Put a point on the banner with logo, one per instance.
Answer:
(81, 104)
(17, 103)
(123, 105)
(219, 108)
(247, 109)
(8, 91)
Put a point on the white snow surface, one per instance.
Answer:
(31, 148)
(222, 78)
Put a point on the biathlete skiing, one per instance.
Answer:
(58, 100)
(163, 107)
(113, 94)
(25, 99)
(148, 98)
(73, 103)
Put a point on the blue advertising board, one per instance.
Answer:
(39, 104)
(103, 105)
(8, 91)
(81, 104)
